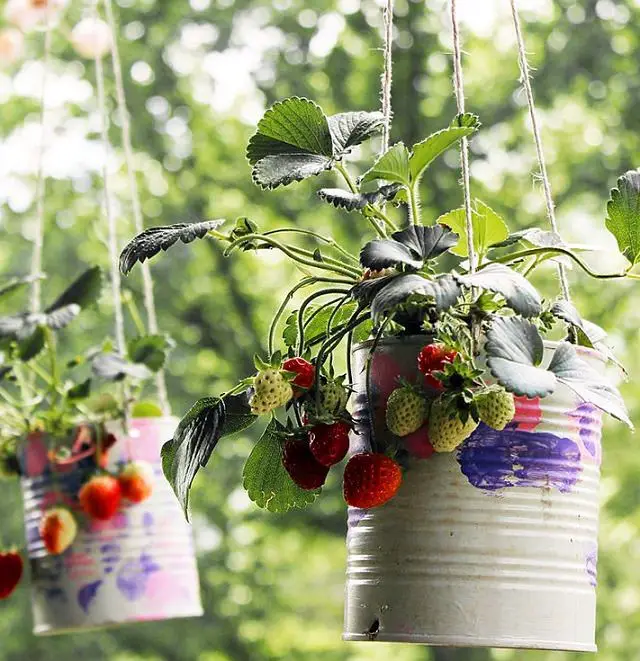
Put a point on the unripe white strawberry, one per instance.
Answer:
(446, 429)
(406, 411)
(496, 408)
(333, 397)
(271, 390)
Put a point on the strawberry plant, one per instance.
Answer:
(68, 400)
(41, 390)
(483, 322)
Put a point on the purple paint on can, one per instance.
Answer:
(591, 565)
(495, 460)
(587, 417)
(132, 576)
(87, 594)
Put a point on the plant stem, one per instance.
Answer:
(379, 213)
(414, 206)
(547, 253)
(134, 312)
(354, 189)
(356, 271)
(340, 270)
(290, 294)
(303, 307)
(325, 239)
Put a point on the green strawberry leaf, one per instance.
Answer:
(79, 391)
(425, 152)
(112, 367)
(265, 478)
(383, 253)
(392, 166)
(514, 351)
(22, 326)
(197, 435)
(293, 142)
(83, 291)
(150, 242)
(31, 346)
(442, 293)
(587, 382)
(149, 350)
(349, 129)
(489, 228)
(623, 215)
(518, 293)
(412, 246)
(343, 199)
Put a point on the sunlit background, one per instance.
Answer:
(198, 75)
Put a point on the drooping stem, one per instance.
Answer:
(356, 272)
(369, 208)
(341, 270)
(290, 294)
(303, 307)
(325, 239)
(548, 253)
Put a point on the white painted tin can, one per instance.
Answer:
(494, 545)
(138, 566)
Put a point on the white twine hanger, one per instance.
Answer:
(525, 79)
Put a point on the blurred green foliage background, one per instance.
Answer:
(198, 75)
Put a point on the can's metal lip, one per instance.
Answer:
(422, 339)
(471, 641)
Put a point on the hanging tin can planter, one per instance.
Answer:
(493, 545)
(139, 565)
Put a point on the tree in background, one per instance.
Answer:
(197, 78)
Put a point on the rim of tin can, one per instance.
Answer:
(421, 339)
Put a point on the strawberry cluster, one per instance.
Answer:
(99, 498)
(448, 406)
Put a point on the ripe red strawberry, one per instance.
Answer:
(305, 371)
(302, 466)
(58, 530)
(10, 572)
(433, 358)
(136, 481)
(100, 497)
(329, 444)
(370, 480)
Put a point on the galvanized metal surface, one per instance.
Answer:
(494, 545)
(139, 566)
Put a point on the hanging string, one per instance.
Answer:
(387, 75)
(125, 124)
(525, 79)
(41, 180)
(116, 284)
(458, 84)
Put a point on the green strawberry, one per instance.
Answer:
(406, 411)
(333, 397)
(496, 408)
(271, 390)
(446, 429)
